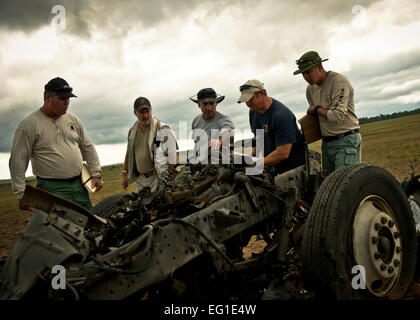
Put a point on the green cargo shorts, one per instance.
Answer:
(71, 189)
(341, 152)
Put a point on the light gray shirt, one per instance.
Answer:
(56, 149)
(199, 126)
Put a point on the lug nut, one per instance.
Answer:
(390, 269)
(383, 267)
(377, 226)
(374, 240)
(398, 249)
(391, 224)
(377, 255)
(396, 262)
(396, 235)
(383, 220)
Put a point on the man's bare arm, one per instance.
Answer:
(281, 153)
(124, 180)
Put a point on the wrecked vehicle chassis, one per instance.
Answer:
(183, 241)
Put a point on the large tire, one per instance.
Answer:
(349, 224)
(107, 206)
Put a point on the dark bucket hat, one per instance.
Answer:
(308, 60)
(60, 87)
(207, 95)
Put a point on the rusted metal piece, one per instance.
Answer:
(172, 197)
(45, 201)
(174, 244)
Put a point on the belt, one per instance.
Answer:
(148, 175)
(339, 136)
(67, 180)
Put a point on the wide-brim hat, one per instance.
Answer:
(307, 61)
(60, 87)
(207, 95)
(249, 88)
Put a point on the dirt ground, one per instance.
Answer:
(11, 227)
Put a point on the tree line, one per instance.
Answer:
(389, 116)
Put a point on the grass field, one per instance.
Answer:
(391, 144)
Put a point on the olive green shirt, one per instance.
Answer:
(337, 95)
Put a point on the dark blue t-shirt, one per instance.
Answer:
(279, 124)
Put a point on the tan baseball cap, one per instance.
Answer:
(249, 88)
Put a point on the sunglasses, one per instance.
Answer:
(246, 87)
(62, 98)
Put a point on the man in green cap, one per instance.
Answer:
(330, 98)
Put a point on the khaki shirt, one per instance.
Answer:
(336, 95)
(56, 149)
(144, 162)
(159, 156)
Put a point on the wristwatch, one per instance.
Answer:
(316, 109)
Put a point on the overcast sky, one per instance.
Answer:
(111, 52)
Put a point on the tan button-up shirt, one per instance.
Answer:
(335, 94)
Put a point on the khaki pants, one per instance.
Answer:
(341, 152)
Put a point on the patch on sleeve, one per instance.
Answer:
(340, 98)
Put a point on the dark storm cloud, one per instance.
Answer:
(30, 15)
(108, 122)
(104, 123)
(390, 66)
(84, 17)
(378, 84)
(9, 122)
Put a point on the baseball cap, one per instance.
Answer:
(308, 60)
(60, 87)
(249, 88)
(141, 103)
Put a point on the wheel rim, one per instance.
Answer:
(377, 244)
